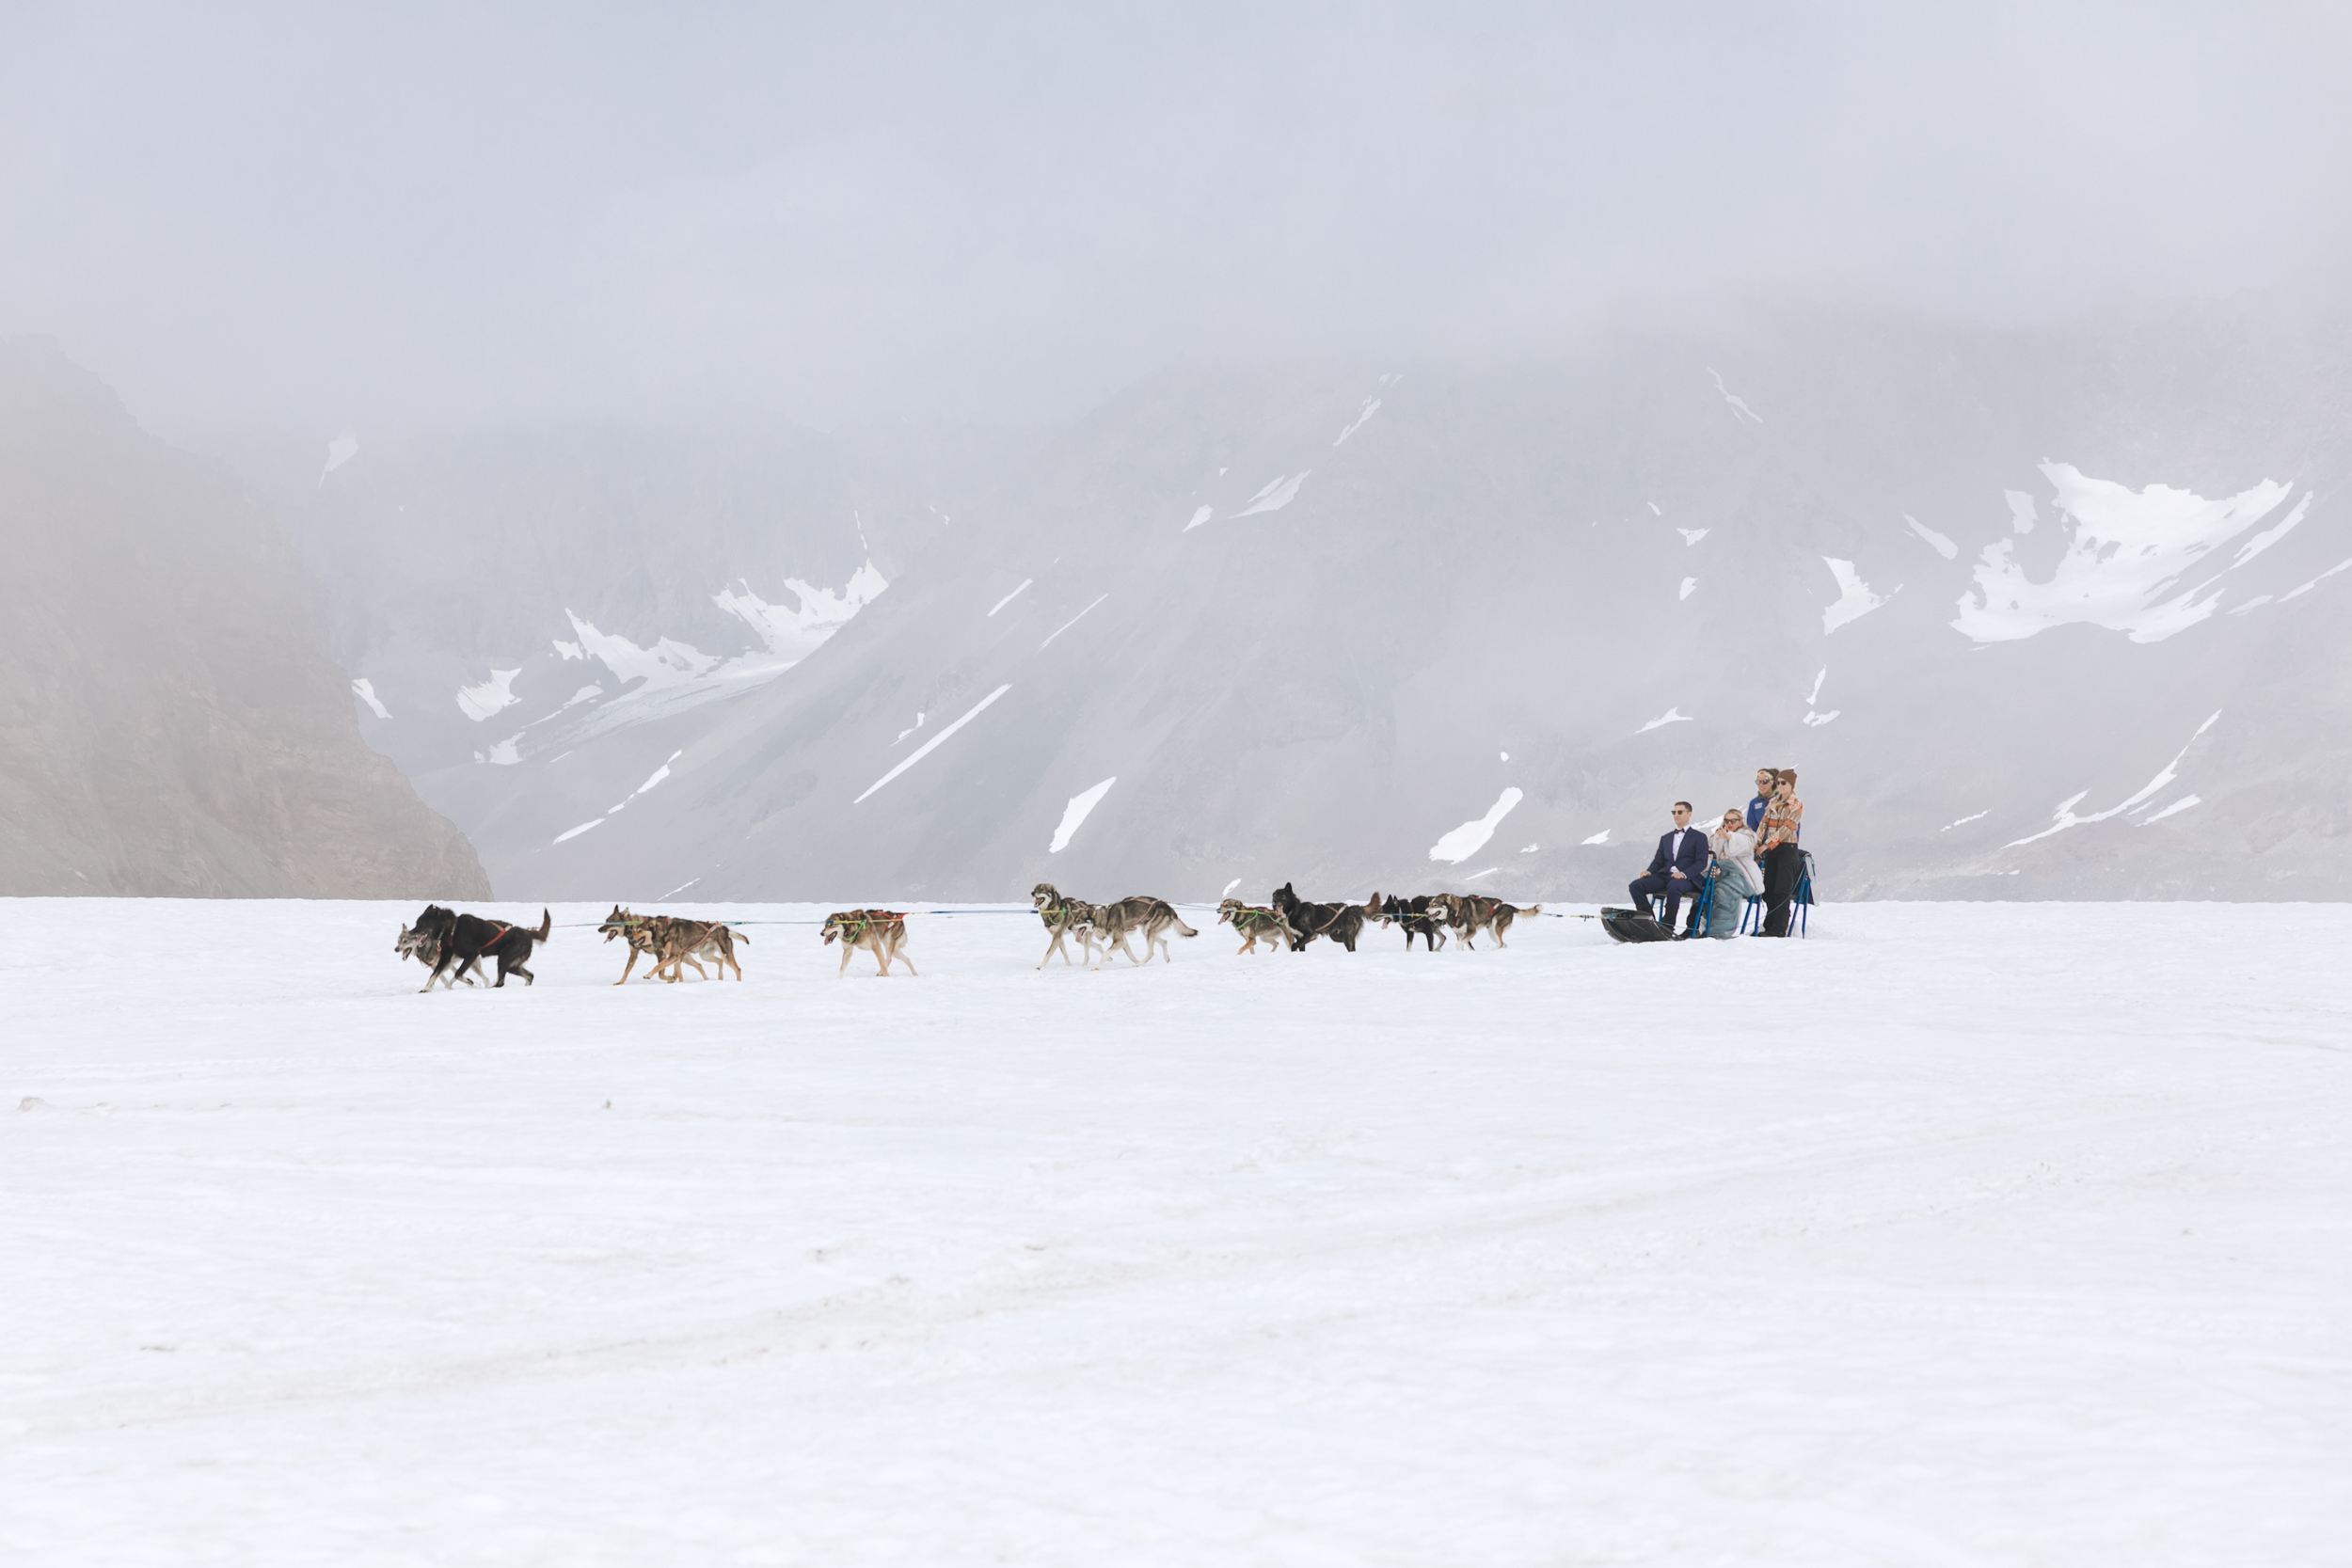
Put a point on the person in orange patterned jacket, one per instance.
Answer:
(1776, 848)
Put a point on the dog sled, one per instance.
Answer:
(1633, 926)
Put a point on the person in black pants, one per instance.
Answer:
(1783, 862)
(1677, 870)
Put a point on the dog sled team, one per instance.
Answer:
(451, 945)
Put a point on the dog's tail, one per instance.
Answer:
(1533, 908)
(740, 935)
(547, 924)
(1183, 929)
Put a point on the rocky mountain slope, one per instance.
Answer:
(2036, 615)
(172, 723)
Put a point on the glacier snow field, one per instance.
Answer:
(1956, 1234)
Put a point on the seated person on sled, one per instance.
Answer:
(1677, 870)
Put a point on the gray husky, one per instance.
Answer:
(1257, 924)
(1154, 917)
(1467, 913)
(1065, 918)
(427, 949)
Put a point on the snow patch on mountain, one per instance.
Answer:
(2065, 813)
(1854, 597)
(480, 700)
(2127, 555)
(2269, 537)
(1071, 622)
(364, 689)
(1200, 514)
(1470, 837)
(659, 774)
(1936, 542)
(1371, 406)
(1672, 716)
(1009, 597)
(932, 744)
(340, 450)
(1739, 407)
(1691, 535)
(1277, 495)
(2299, 591)
(1075, 813)
(793, 634)
(668, 662)
(672, 676)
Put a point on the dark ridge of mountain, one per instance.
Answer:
(2034, 613)
(171, 722)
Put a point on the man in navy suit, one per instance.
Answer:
(1677, 870)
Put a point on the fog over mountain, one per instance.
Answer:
(2035, 614)
(914, 454)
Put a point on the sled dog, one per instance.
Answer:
(1412, 913)
(1065, 918)
(1256, 924)
(881, 932)
(1500, 920)
(1154, 917)
(1342, 923)
(669, 941)
(426, 951)
(466, 938)
(1467, 914)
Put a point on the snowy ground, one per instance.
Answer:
(1958, 1234)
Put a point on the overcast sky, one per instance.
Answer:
(313, 215)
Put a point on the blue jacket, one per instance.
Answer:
(1691, 861)
(1756, 812)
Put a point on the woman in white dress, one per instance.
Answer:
(1737, 878)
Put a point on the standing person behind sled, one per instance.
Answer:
(1765, 778)
(1675, 870)
(1776, 847)
(1737, 877)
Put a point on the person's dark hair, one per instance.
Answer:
(1682, 805)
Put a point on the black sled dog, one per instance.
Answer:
(467, 937)
(1342, 923)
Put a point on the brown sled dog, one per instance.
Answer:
(1065, 918)
(1467, 914)
(1256, 924)
(669, 941)
(881, 932)
(1154, 917)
